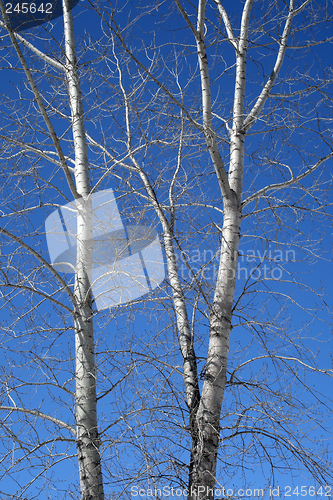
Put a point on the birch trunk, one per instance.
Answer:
(207, 429)
(208, 415)
(91, 484)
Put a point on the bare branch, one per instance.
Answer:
(41, 260)
(231, 37)
(39, 414)
(257, 108)
(36, 51)
(327, 371)
(40, 104)
(281, 185)
(207, 105)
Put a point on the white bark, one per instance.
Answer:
(86, 403)
(184, 331)
(204, 410)
(281, 185)
(264, 95)
(208, 416)
(36, 51)
(230, 32)
(204, 456)
(37, 413)
(40, 103)
(207, 104)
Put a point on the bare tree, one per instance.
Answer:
(212, 126)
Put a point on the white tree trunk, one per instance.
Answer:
(91, 483)
(207, 428)
(208, 415)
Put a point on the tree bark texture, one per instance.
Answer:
(91, 482)
(206, 429)
(204, 454)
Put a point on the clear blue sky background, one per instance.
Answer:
(287, 256)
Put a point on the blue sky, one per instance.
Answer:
(294, 245)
